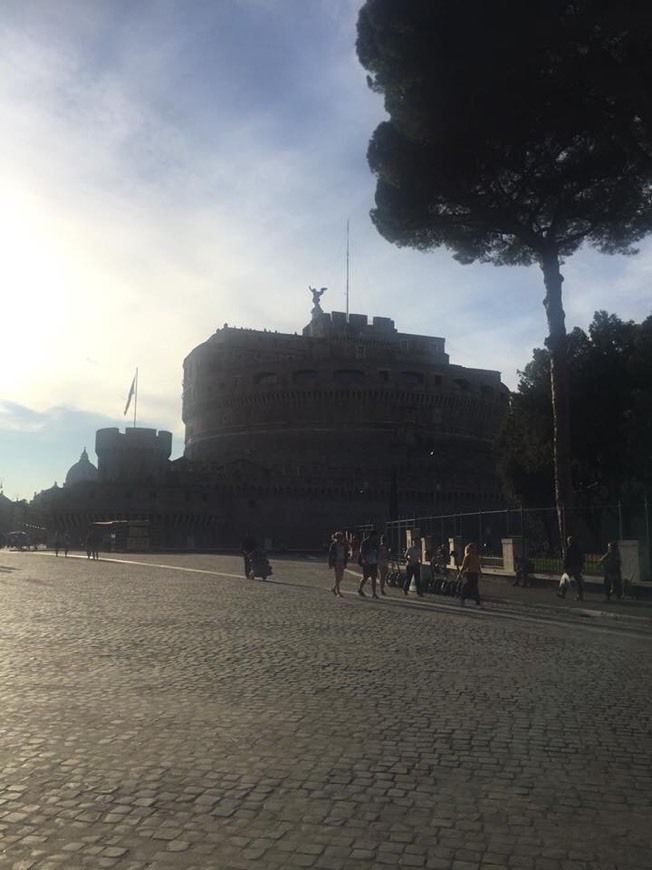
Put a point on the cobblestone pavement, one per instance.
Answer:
(162, 712)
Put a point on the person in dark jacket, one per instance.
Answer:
(413, 567)
(613, 581)
(520, 572)
(93, 544)
(248, 545)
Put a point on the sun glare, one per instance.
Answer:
(35, 306)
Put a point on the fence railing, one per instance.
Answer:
(594, 526)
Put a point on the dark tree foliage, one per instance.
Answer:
(525, 455)
(517, 131)
(611, 398)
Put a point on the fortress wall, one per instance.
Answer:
(378, 411)
(345, 403)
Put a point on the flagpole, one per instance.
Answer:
(347, 271)
(133, 393)
(136, 398)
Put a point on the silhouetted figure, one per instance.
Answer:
(611, 567)
(338, 556)
(248, 545)
(368, 560)
(573, 566)
(93, 544)
(521, 567)
(413, 568)
(471, 569)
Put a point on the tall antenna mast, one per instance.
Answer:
(347, 271)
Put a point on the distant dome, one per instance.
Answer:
(81, 472)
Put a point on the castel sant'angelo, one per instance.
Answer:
(288, 437)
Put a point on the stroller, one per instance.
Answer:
(258, 565)
(394, 576)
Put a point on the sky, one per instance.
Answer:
(168, 166)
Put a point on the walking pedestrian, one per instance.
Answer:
(470, 569)
(520, 574)
(66, 543)
(56, 543)
(248, 545)
(573, 567)
(93, 544)
(338, 557)
(384, 557)
(368, 560)
(413, 567)
(611, 567)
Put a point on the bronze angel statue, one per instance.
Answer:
(316, 294)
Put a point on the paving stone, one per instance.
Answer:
(407, 860)
(177, 718)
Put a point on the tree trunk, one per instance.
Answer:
(557, 347)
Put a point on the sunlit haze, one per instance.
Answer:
(170, 166)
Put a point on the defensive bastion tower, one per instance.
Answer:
(135, 454)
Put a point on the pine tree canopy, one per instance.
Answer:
(517, 131)
(514, 127)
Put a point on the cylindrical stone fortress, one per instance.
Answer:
(352, 412)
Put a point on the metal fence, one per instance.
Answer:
(593, 526)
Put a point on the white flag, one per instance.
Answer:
(132, 390)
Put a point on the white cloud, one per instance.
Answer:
(164, 173)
